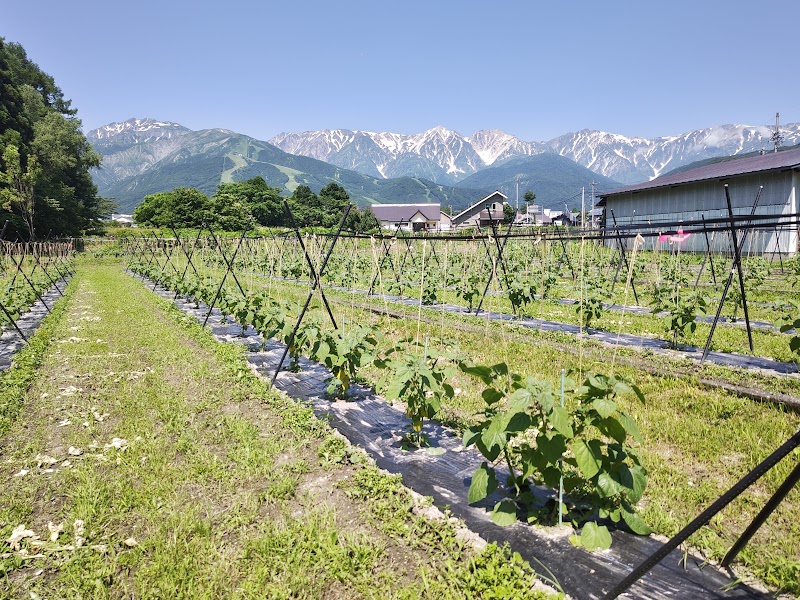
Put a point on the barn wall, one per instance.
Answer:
(692, 201)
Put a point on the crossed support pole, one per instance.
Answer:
(737, 244)
(188, 255)
(316, 283)
(723, 501)
(386, 255)
(499, 259)
(228, 269)
(623, 258)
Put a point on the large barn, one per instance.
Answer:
(699, 193)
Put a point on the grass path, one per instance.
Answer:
(147, 461)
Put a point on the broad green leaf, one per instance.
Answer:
(636, 523)
(559, 419)
(630, 426)
(505, 512)
(595, 537)
(588, 457)
(471, 434)
(519, 400)
(496, 435)
(481, 372)
(597, 382)
(609, 486)
(638, 483)
(491, 395)
(612, 428)
(519, 422)
(484, 482)
(500, 368)
(552, 446)
(604, 406)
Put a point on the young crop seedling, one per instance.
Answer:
(584, 445)
(521, 292)
(791, 322)
(344, 352)
(681, 310)
(590, 307)
(419, 377)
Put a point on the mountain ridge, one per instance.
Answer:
(448, 157)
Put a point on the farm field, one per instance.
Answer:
(143, 459)
(697, 437)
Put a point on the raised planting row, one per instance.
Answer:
(148, 461)
(688, 433)
(534, 279)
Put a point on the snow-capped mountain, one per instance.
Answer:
(447, 157)
(131, 147)
(438, 154)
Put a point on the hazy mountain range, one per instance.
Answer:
(448, 157)
(144, 156)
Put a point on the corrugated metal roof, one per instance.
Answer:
(772, 161)
(396, 213)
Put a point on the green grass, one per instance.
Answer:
(697, 441)
(220, 488)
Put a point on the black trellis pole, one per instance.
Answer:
(737, 257)
(53, 283)
(317, 283)
(705, 516)
(565, 254)
(229, 263)
(387, 249)
(623, 258)
(168, 254)
(225, 276)
(33, 287)
(313, 287)
(730, 276)
(188, 255)
(13, 322)
(706, 257)
(769, 508)
(494, 269)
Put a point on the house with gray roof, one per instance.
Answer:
(408, 217)
(482, 213)
(699, 193)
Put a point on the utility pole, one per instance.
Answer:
(517, 194)
(594, 183)
(583, 207)
(777, 138)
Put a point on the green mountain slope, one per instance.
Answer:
(138, 165)
(556, 180)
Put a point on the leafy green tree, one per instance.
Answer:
(181, 207)
(52, 155)
(263, 203)
(508, 214)
(530, 198)
(19, 185)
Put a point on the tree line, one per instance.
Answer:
(243, 205)
(45, 185)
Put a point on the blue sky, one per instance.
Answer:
(533, 69)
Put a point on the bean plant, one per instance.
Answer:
(586, 444)
(419, 377)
